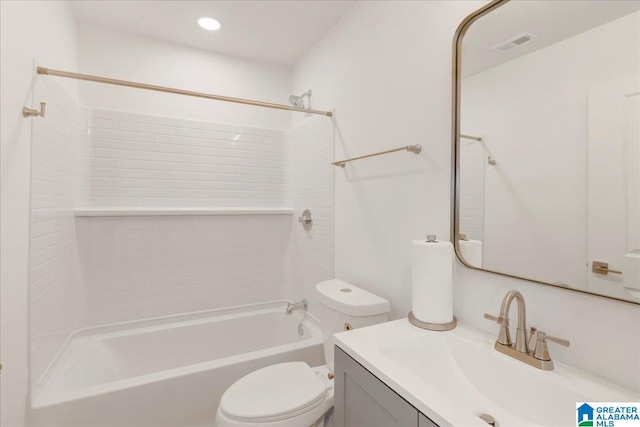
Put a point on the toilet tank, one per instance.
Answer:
(344, 306)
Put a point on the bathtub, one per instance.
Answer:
(170, 371)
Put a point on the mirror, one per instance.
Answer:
(547, 140)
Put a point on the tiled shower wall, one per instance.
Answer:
(139, 267)
(117, 269)
(135, 160)
(54, 297)
(310, 254)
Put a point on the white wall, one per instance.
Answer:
(118, 55)
(386, 68)
(45, 31)
(533, 115)
(390, 86)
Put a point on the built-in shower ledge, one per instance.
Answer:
(96, 212)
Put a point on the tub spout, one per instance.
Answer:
(302, 305)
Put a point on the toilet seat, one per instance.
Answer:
(274, 393)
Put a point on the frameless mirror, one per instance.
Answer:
(547, 138)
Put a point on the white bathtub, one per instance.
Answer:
(168, 372)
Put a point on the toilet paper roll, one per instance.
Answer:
(471, 251)
(432, 281)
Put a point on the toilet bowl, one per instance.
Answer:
(294, 394)
(286, 394)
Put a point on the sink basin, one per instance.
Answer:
(452, 377)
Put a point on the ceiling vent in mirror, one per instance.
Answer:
(514, 42)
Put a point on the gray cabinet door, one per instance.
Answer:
(362, 400)
(424, 421)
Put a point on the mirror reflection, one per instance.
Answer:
(549, 154)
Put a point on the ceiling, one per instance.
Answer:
(550, 21)
(278, 32)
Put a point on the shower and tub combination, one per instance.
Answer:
(164, 252)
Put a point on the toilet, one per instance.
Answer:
(293, 393)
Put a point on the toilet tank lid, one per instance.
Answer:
(348, 299)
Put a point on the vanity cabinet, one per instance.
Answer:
(362, 400)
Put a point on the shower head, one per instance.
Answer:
(298, 101)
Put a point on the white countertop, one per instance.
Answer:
(363, 346)
(452, 377)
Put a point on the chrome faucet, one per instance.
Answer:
(534, 352)
(302, 305)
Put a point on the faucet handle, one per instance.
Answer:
(491, 317)
(504, 337)
(532, 338)
(499, 320)
(560, 341)
(541, 352)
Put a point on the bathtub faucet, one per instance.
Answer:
(302, 305)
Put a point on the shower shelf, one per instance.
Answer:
(112, 212)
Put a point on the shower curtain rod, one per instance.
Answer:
(490, 159)
(66, 74)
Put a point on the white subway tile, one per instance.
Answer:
(108, 114)
(156, 147)
(142, 155)
(142, 118)
(126, 145)
(109, 133)
(158, 129)
(127, 126)
(109, 153)
(99, 123)
(186, 132)
(142, 136)
(170, 139)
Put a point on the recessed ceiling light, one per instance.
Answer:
(209, 24)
